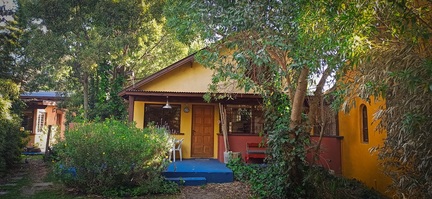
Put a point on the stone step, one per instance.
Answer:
(43, 184)
(9, 185)
(15, 179)
(20, 174)
(3, 193)
(189, 181)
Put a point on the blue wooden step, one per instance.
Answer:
(212, 170)
(189, 181)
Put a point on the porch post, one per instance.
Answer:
(131, 107)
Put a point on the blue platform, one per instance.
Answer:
(195, 172)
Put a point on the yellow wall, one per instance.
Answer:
(357, 161)
(185, 124)
(189, 78)
(186, 78)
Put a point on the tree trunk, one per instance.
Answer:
(296, 117)
(85, 93)
(298, 100)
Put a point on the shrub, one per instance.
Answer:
(114, 158)
(318, 183)
(12, 141)
(264, 179)
(321, 184)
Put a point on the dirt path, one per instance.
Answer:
(217, 191)
(25, 179)
(37, 172)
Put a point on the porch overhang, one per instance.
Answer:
(184, 97)
(160, 96)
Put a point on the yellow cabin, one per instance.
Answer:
(173, 98)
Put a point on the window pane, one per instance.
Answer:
(365, 133)
(168, 118)
(244, 119)
(40, 120)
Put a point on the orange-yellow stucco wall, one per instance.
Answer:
(185, 124)
(357, 160)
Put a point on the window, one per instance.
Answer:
(168, 118)
(245, 119)
(40, 120)
(330, 122)
(27, 121)
(364, 123)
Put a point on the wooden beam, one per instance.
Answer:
(131, 107)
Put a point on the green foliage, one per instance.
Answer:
(114, 158)
(94, 46)
(321, 184)
(266, 183)
(399, 69)
(241, 171)
(12, 141)
(287, 151)
(104, 100)
(10, 34)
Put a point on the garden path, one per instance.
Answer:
(30, 178)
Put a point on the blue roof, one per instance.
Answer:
(45, 94)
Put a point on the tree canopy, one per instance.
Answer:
(11, 141)
(93, 47)
(277, 47)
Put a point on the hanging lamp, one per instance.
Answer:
(167, 106)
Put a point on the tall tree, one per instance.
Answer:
(72, 38)
(276, 48)
(11, 141)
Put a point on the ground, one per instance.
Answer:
(31, 179)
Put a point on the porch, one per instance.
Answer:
(196, 172)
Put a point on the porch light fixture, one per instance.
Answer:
(186, 109)
(167, 106)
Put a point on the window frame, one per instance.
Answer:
(364, 124)
(251, 125)
(162, 110)
(41, 120)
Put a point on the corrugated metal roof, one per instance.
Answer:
(44, 94)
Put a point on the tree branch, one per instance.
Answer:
(147, 52)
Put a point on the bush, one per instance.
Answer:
(321, 184)
(318, 183)
(114, 158)
(12, 141)
(264, 179)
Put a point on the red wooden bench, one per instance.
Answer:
(255, 150)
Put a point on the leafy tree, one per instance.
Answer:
(11, 138)
(400, 71)
(74, 40)
(275, 48)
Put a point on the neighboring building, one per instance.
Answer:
(359, 138)
(42, 111)
(182, 85)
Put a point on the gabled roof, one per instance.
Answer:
(158, 74)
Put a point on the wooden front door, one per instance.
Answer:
(202, 131)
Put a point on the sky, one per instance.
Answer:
(6, 6)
